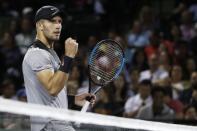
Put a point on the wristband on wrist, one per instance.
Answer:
(66, 66)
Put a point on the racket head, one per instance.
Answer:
(105, 62)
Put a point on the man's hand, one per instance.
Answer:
(82, 98)
(71, 47)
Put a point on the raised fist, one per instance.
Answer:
(71, 47)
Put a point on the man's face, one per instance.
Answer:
(153, 62)
(194, 78)
(52, 28)
(144, 91)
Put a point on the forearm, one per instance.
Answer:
(60, 78)
(57, 82)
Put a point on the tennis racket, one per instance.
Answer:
(104, 65)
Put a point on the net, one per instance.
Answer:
(15, 116)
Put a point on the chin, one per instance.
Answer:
(55, 39)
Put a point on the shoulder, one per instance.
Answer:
(36, 52)
(133, 98)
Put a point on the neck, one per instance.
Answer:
(44, 40)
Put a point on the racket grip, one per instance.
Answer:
(84, 109)
(85, 106)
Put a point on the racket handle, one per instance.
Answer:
(84, 109)
(85, 106)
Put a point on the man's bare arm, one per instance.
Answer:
(54, 82)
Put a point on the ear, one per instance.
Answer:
(39, 25)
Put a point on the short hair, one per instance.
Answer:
(156, 89)
(146, 82)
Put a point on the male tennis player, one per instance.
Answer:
(45, 75)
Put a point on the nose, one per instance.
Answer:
(59, 26)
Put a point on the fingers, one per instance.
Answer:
(71, 47)
(92, 99)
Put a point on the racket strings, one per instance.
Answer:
(101, 71)
(114, 56)
(114, 63)
(101, 74)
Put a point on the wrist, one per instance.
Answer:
(69, 55)
(67, 63)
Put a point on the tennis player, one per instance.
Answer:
(45, 76)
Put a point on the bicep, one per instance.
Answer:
(45, 77)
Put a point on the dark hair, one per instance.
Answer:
(156, 89)
(146, 82)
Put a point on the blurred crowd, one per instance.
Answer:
(159, 80)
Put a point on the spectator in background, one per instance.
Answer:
(175, 34)
(158, 110)
(137, 38)
(127, 51)
(193, 10)
(177, 82)
(186, 95)
(193, 100)
(134, 83)
(189, 68)
(21, 95)
(13, 26)
(176, 13)
(190, 113)
(154, 73)
(135, 103)
(164, 61)
(187, 26)
(26, 36)
(174, 104)
(13, 56)
(103, 105)
(181, 52)
(120, 89)
(139, 60)
(153, 47)
(12, 121)
(119, 95)
(192, 44)
(169, 43)
(99, 7)
(8, 89)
